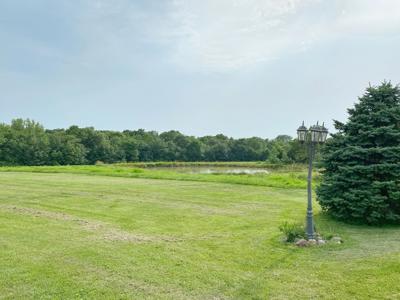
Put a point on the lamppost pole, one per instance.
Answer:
(316, 134)
(310, 221)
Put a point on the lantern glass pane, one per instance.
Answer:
(320, 136)
(314, 135)
(301, 135)
(324, 136)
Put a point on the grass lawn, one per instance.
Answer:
(122, 233)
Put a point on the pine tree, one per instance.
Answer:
(361, 177)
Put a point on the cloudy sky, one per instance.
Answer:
(238, 67)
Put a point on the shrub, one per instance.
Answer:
(292, 231)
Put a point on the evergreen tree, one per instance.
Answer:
(361, 180)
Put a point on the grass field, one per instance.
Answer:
(287, 177)
(120, 232)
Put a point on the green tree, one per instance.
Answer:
(361, 181)
(278, 149)
(297, 152)
(24, 142)
(96, 143)
(248, 149)
(151, 146)
(216, 148)
(173, 150)
(65, 149)
(193, 149)
(130, 147)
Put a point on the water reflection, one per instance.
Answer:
(230, 171)
(217, 170)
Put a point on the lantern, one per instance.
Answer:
(302, 133)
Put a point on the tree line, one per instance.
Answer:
(26, 142)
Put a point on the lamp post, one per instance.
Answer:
(311, 137)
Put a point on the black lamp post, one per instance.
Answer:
(316, 134)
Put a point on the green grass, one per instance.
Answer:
(281, 178)
(67, 235)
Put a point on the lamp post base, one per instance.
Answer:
(310, 225)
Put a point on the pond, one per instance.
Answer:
(215, 170)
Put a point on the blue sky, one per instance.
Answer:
(239, 67)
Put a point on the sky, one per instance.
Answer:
(238, 67)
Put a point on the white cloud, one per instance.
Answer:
(223, 35)
(371, 17)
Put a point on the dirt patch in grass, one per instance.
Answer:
(106, 231)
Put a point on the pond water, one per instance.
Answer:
(217, 170)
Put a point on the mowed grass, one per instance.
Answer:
(77, 236)
(286, 177)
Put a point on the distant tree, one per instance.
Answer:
(278, 149)
(65, 149)
(130, 147)
(274, 153)
(193, 150)
(283, 138)
(249, 149)
(297, 153)
(285, 149)
(96, 143)
(181, 147)
(216, 148)
(7, 157)
(361, 181)
(151, 146)
(173, 146)
(24, 142)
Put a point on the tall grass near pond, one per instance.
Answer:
(280, 177)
